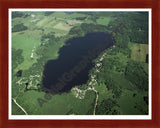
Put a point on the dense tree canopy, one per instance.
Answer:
(136, 74)
(134, 24)
(86, 28)
(17, 14)
(19, 27)
(48, 13)
(107, 107)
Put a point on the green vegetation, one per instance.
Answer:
(103, 20)
(119, 86)
(107, 107)
(16, 110)
(135, 25)
(87, 28)
(17, 14)
(139, 52)
(48, 13)
(136, 74)
(19, 27)
(122, 74)
(17, 58)
(28, 46)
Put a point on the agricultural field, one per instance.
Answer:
(117, 77)
(139, 52)
(103, 21)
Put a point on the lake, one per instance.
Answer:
(72, 66)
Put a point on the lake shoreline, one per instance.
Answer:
(66, 78)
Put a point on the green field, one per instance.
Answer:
(57, 105)
(139, 52)
(27, 45)
(103, 21)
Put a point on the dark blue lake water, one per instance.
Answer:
(74, 61)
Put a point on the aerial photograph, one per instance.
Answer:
(79, 62)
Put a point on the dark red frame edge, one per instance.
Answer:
(6, 4)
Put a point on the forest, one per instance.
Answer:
(19, 27)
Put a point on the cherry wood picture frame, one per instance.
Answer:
(105, 4)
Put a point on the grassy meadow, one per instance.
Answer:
(139, 52)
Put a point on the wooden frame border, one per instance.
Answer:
(6, 4)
